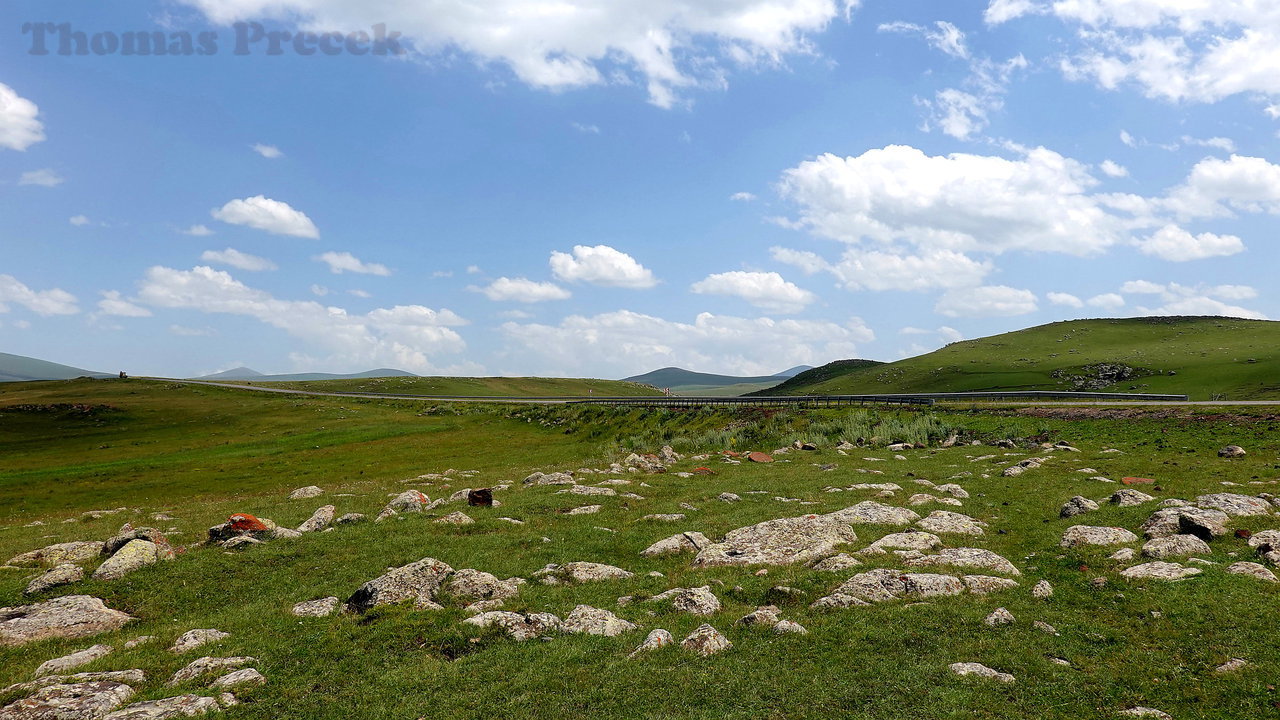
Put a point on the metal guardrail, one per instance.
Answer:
(814, 401)
(1048, 395)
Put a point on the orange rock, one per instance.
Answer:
(1137, 481)
(759, 457)
(244, 522)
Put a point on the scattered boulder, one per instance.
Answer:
(944, 521)
(1123, 555)
(587, 490)
(584, 510)
(69, 552)
(128, 533)
(836, 563)
(594, 621)
(60, 575)
(207, 665)
(789, 627)
(1077, 505)
(706, 640)
(1078, 535)
(1235, 505)
(1175, 546)
(478, 585)
(764, 615)
(519, 627)
(456, 518)
(409, 501)
(656, 639)
(305, 493)
(192, 639)
(678, 543)
(1232, 451)
(729, 497)
(999, 616)
(555, 478)
(319, 520)
(240, 525)
(323, 607)
(664, 517)
(350, 519)
(778, 542)
(134, 555)
(1146, 712)
(1159, 571)
(1204, 524)
(58, 666)
(418, 581)
(954, 490)
(909, 540)
(986, 584)
(696, 601)
(873, 513)
(979, 670)
(1042, 590)
(75, 701)
(967, 558)
(1023, 466)
(70, 616)
(1253, 570)
(170, 707)
(1128, 497)
(1231, 665)
(247, 676)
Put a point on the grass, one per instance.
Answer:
(202, 453)
(1205, 358)
(475, 387)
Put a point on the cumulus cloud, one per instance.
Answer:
(263, 213)
(742, 197)
(1110, 168)
(601, 265)
(41, 302)
(237, 259)
(1217, 143)
(1064, 299)
(860, 269)
(1179, 299)
(617, 344)
(765, 290)
(1219, 188)
(665, 46)
(1106, 301)
(340, 262)
(987, 301)
(962, 114)
(404, 336)
(943, 36)
(271, 152)
(523, 290)
(1175, 244)
(1176, 51)
(42, 178)
(113, 303)
(20, 125)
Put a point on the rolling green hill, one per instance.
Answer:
(687, 382)
(244, 373)
(1203, 357)
(468, 386)
(19, 368)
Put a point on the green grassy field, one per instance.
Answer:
(202, 453)
(474, 387)
(1205, 358)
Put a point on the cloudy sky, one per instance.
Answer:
(604, 187)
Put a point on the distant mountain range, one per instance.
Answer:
(247, 374)
(18, 368)
(687, 382)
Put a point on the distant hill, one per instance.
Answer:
(1203, 357)
(792, 372)
(246, 374)
(19, 368)
(474, 386)
(687, 382)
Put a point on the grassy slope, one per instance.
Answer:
(202, 453)
(1209, 355)
(484, 387)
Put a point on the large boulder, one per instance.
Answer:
(1235, 505)
(1204, 524)
(1128, 497)
(945, 521)
(417, 581)
(967, 558)
(135, 555)
(1175, 546)
(1232, 451)
(75, 701)
(873, 513)
(319, 519)
(519, 627)
(706, 640)
(58, 666)
(58, 576)
(179, 706)
(242, 525)
(478, 585)
(71, 616)
(1158, 571)
(594, 621)
(980, 670)
(779, 542)
(1078, 535)
(555, 478)
(76, 552)
(678, 543)
(129, 533)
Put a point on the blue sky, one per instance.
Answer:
(592, 188)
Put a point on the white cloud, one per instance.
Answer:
(1106, 301)
(964, 113)
(319, 290)
(340, 262)
(360, 293)
(522, 290)
(617, 344)
(442, 274)
(40, 302)
(943, 36)
(946, 334)
(271, 152)
(1175, 244)
(742, 197)
(1199, 300)
(957, 203)
(473, 270)
(1186, 51)
(20, 126)
(1218, 143)
(184, 331)
(950, 334)
(986, 301)
(42, 178)
(1141, 287)
(79, 220)
(266, 214)
(406, 337)
(1064, 299)
(237, 259)
(113, 303)
(1110, 168)
(515, 315)
(198, 231)
(765, 290)
(586, 129)
(1128, 139)
(664, 45)
(876, 270)
(601, 265)
(1217, 187)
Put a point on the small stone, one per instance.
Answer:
(980, 670)
(304, 493)
(1078, 535)
(1129, 497)
(945, 521)
(247, 676)
(63, 574)
(206, 665)
(1175, 546)
(1042, 590)
(319, 520)
(1159, 571)
(836, 563)
(350, 519)
(594, 621)
(584, 510)
(763, 615)
(728, 497)
(192, 639)
(140, 640)
(1044, 627)
(1077, 505)
(323, 607)
(697, 601)
(680, 542)
(656, 639)
(787, 627)
(999, 616)
(1253, 570)
(58, 666)
(1231, 665)
(456, 518)
(1232, 451)
(1146, 712)
(706, 640)
(1123, 555)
